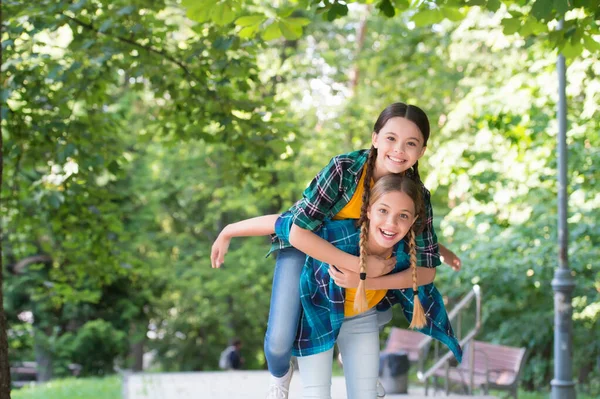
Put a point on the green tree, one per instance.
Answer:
(528, 19)
(79, 76)
(132, 135)
(500, 175)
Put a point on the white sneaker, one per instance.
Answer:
(380, 390)
(280, 386)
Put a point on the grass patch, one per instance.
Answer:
(73, 388)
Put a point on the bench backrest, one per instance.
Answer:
(496, 357)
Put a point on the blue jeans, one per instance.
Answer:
(359, 345)
(285, 310)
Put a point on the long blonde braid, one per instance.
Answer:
(360, 300)
(418, 318)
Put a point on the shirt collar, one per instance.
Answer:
(361, 159)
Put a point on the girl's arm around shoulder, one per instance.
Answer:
(401, 280)
(316, 247)
(258, 226)
(394, 281)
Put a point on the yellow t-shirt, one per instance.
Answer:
(352, 211)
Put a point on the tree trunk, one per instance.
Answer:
(4, 367)
(136, 346)
(361, 34)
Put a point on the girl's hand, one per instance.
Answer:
(219, 249)
(378, 266)
(345, 280)
(452, 260)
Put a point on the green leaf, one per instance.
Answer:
(55, 199)
(453, 14)
(7, 43)
(88, 43)
(272, 32)
(387, 8)
(562, 6)
(532, 27)
(590, 44)
(250, 20)
(571, 50)
(515, 13)
(114, 167)
(248, 31)
(286, 12)
(223, 43)
(105, 26)
(290, 32)
(222, 14)
(542, 9)
(321, 10)
(337, 10)
(427, 17)
(69, 150)
(296, 21)
(54, 72)
(493, 5)
(199, 13)
(77, 6)
(126, 10)
(401, 4)
(511, 25)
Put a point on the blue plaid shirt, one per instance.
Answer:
(323, 301)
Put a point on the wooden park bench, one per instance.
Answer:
(24, 373)
(494, 367)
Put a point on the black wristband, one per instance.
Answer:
(363, 276)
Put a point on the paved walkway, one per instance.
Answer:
(229, 385)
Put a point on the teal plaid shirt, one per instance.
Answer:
(323, 301)
(331, 190)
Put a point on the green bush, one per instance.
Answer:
(96, 346)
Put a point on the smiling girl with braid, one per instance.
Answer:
(399, 139)
(394, 206)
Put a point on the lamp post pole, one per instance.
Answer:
(563, 386)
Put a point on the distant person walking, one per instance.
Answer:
(231, 357)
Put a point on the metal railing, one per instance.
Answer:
(456, 315)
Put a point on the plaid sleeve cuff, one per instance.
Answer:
(301, 219)
(283, 226)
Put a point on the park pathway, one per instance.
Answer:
(231, 385)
